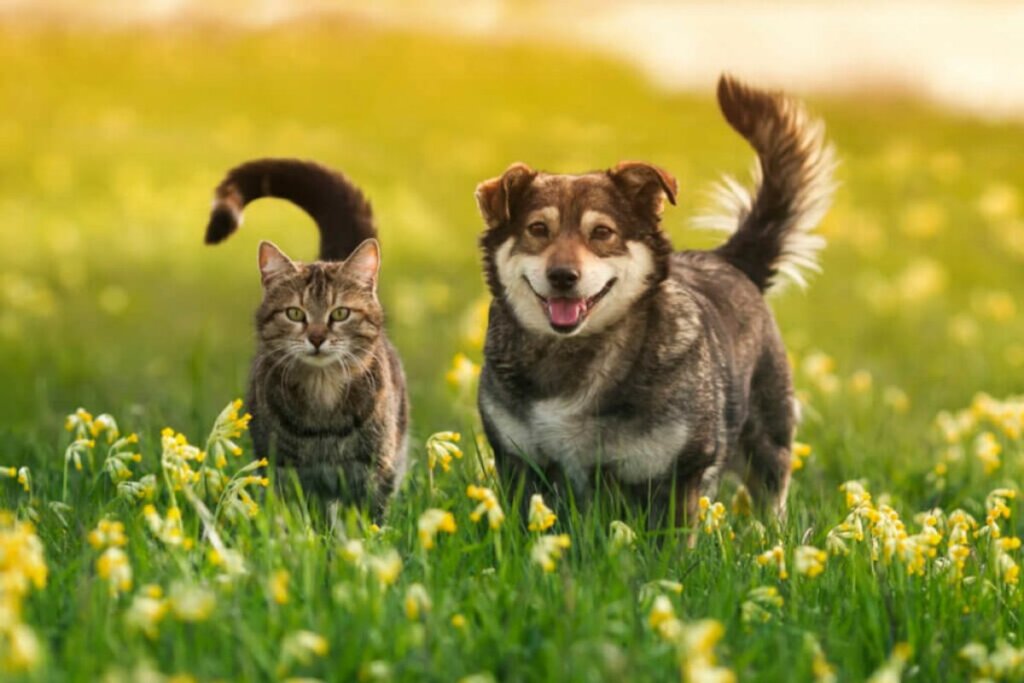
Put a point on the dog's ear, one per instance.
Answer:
(645, 184)
(496, 196)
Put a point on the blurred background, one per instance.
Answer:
(119, 118)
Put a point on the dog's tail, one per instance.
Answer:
(772, 224)
(340, 210)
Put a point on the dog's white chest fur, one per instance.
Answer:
(567, 431)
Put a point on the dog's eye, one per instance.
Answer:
(339, 314)
(538, 230)
(601, 233)
(296, 315)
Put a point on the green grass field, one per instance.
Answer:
(110, 145)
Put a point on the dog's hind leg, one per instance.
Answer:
(767, 435)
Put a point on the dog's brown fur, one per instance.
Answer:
(608, 352)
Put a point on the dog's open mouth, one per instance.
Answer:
(565, 314)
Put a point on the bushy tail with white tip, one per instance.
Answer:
(771, 224)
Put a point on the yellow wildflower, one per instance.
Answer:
(896, 399)
(775, 557)
(458, 621)
(191, 603)
(441, 448)
(278, 586)
(113, 566)
(417, 601)
(823, 671)
(621, 535)
(861, 382)
(79, 422)
(892, 670)
(801, 452)
(547, 550)
(463, 373)
(488, 505)
(759, 603)
(809, 561)
(711, 515)
(386, 567)
(23, 651)
(987, 449)
(107, 533)
(432, 522)
(303, 645)
(542, 517)
(697, 653)
(147, 611)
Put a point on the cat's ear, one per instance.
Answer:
(274, 262)
(364, 263)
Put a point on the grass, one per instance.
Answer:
(113, 141)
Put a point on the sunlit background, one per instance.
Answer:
(117, 119)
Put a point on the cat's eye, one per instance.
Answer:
(601, 233)
(296, 315)
(339, 314)
(538, 230)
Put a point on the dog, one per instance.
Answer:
(610, 356)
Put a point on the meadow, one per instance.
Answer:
(128, 552)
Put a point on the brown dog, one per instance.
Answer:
(608, 353)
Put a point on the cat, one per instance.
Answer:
(326, 389)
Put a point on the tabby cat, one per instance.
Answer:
(326, 391)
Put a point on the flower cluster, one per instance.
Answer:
(441, 448)
(488, 505)
(883, 531)
(695, 643)
(22, 568)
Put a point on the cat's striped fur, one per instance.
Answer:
(326, 391)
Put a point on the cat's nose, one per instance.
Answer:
(316, 337)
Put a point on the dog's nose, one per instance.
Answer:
(563, 278)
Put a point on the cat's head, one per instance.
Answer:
(323, 314)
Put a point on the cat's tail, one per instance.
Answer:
(340, 210)
(772, 224)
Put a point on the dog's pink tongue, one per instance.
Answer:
(566, 312)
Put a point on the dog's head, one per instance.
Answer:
(572, 253)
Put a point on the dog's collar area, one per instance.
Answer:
(566, 315)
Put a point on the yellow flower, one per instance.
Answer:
(169, 530)
(775, 557)
(113, 566)
(711, 515)
(463, 373)
(353, 551)
(303, 645)
(458, 621)
(892, 670)
(987, 450)
(896, 399)
(191, 603)
(861, 382)
(107, 533)
(441, 448)
(432, 522)
(809, 561)
(541, 516)
(801, 452)
(417, 601)
(488, 504)
(663, 619)
(759, 602)
(278, 586)
(547, 550)
(697, 652)
(147, 611)
(621, 535)
(79, 422)
(823, 671)
(23, 651)
(386, 567)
